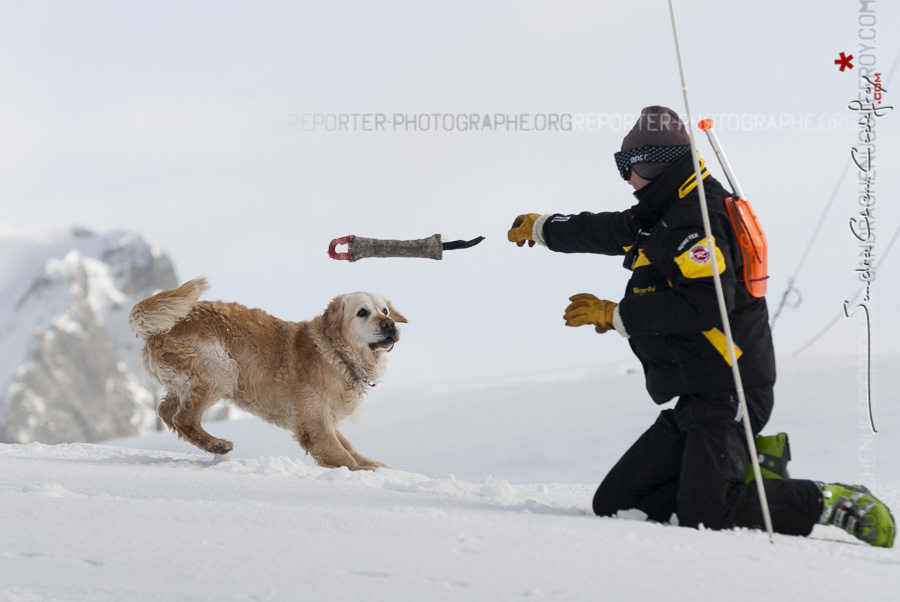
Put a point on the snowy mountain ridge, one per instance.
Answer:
(70, 369)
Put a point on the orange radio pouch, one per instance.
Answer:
(752, 241)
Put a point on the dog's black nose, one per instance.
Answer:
(387, 324)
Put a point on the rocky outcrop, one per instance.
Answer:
(70, 368)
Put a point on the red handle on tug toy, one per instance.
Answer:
(343, 240)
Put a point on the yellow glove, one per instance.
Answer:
(588, 309)
(522, 228)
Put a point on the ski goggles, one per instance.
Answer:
(647, 154)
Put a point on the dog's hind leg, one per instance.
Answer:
(363, 461)
(199, 397)
(167, 408)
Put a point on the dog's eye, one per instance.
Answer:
(384, 310)
(363, 313)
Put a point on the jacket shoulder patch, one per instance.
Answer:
(696, 262)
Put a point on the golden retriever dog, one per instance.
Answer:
(302, 376)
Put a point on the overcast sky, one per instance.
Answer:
(191, 122)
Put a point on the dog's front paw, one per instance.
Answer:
(372, 465)
(220, 446)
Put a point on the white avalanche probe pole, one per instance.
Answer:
(739, 387)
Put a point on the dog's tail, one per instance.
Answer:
(159, 313)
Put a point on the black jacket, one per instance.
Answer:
(670, 308)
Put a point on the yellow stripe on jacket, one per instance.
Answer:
(717, 338)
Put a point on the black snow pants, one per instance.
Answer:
(692, 462)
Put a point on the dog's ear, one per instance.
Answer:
(396, 315)
(334, 317)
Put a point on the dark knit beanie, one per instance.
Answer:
(657, 126)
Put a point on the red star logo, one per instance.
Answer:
(844, 62)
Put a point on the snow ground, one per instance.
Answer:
(489, 499)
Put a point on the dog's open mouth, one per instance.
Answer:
(387, 343)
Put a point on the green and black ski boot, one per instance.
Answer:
(854, 509)
(773, 451)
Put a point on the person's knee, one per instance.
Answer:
(652, 461)
(605, 501)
